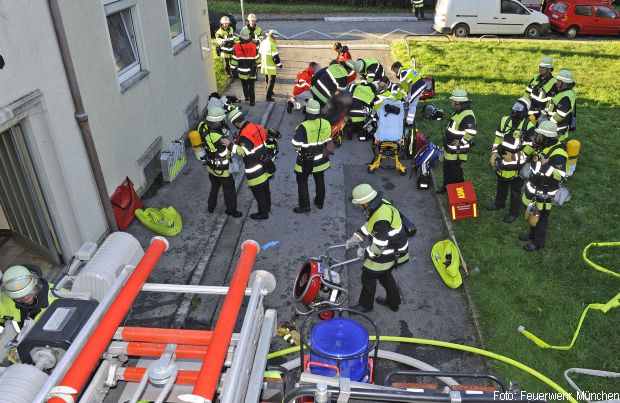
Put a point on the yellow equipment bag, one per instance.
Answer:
(446, 258)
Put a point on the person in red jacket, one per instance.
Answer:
(343, 56)
(343, 52)
(301, 90)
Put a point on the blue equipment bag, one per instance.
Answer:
(423, 163)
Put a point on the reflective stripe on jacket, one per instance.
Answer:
(540, 91)
(561, 110)
(303, 81)
(217, 154)
(309, 140)
(545, 180)
(333, 79)
(253, 148)
(270, 59)
(245, 60)
(363, 100)
(9, 311)
(462, 128)
(388, 238)
(510, 140)
(225, 39)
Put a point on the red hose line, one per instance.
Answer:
(159, 335)
(134, 374)
(139, 349)
(211, 368)
(91, 352)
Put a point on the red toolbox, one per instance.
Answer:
(462, 200)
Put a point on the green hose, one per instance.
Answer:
(166, 221)
(611, 304)
(479, 351)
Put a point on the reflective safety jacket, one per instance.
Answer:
(253, 148)
(393, 91)
(333, 79)
(9, 311)
(461, 130)
(372, 70)
(225, 40)
(389, 243)
(540, 91)
(411, 82)
(255, 33)
(510, 143)
(269, 57)
(545, 179)
(310, 139)
(303, 81)
(245, 60)
(417, 3)
(217, 157)
(561, 109)
(363, 101)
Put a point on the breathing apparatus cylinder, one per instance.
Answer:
(572, 147)
(197, 144)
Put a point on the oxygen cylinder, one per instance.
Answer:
(572, 148)
(197, 144)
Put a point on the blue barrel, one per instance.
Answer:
(342, 338)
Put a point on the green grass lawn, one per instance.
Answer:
(298, 7)
(545, 291)
(220, 74)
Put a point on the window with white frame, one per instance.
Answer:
(124, 43)
(175, 21)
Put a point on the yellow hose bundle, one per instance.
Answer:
(166, 221)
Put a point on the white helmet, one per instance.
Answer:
(18, 282)
(224, 20)
(252, 17)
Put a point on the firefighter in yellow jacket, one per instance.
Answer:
(25, 295)
(389, 248)
(312, 141)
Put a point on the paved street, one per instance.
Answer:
(429, 309)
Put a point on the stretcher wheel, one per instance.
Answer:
(403, 172)
(370, 170)
(338, 140)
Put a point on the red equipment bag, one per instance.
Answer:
(429, 88)
(125, 201)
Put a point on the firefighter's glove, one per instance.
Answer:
(507, 157)
(274, 133)
(360, 252)
(289, 333)
(493, 159)
(354, 240)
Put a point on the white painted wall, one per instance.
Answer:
(33, 63)
(125, 124)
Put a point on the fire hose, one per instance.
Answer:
(460, 347)
(606, 307)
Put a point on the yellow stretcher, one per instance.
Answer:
(445, 256)
(389, 136)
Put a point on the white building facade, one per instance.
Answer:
(144, 71)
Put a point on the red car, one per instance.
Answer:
(583, 18)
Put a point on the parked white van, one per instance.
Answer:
(498, 17)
